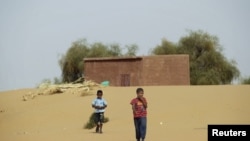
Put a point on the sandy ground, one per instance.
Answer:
(185, 112)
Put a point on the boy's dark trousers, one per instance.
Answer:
(140, 127)
(99, 119)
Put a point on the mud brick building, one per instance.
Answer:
(139, 71)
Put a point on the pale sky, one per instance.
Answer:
(35, 33)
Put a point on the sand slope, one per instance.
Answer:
(185, 112)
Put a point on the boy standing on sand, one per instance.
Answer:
(139, 107)
(99, 104)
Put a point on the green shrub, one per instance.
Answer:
(91, 123)
(245, 80)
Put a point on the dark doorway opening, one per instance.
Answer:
(125, 79)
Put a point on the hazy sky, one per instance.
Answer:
(35, 33)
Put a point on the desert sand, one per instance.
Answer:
(184, 111)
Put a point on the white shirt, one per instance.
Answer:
(99, 102)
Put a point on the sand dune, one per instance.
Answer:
(185, 112)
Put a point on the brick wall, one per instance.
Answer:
(166, 70)
(139, 71)
(111, 69)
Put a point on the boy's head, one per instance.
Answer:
(99, 93)
(139, 92)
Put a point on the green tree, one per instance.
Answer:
(166, 47)
(245, 80)
(115, 50)
(131, 50)
(72, 64)
(208, 66)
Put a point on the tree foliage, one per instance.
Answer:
(245, 80)
(166, 47)
(131, 50)
(208, 66)
(72, 62)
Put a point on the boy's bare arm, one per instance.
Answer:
(133, 108)
(103, 107)
(144, 102)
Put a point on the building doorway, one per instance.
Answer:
(125, 80)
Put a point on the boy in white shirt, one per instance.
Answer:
(99, 104)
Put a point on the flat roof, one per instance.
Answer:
(112, 58)
(131, 57)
